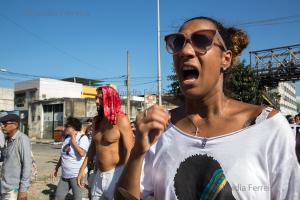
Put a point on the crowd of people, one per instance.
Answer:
(294, 122)
(293, 119)
(103, 149)
(210, 147)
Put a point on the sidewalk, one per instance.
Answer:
(43, 141)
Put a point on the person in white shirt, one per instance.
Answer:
(211, 147)
(73, 152)
(2, 140)
(2, 143)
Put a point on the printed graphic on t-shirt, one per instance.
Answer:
(201, 177)
(67, 149)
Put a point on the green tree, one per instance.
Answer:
(240, 82)
(174, 86)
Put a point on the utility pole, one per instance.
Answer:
(128, 84)
(158, 57)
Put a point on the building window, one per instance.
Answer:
(31, 96)
(58, 108)
(20, 99)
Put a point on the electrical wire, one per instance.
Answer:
(135, 79)
(9, 79)
(48, 43)
(263, 21)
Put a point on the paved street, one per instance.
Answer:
(46, 157)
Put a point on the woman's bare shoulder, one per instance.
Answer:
(250, 110)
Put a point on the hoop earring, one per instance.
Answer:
(223, 69)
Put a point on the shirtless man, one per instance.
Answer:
(112, 141)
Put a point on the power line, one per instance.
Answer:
(48, 43)
(146, 83)
(122, 76)
(9, 79)
(26, 75)
(134, 80)
(277, 20)
(143, 77)
(141, 83)
(273, 23)
(254, 22)
(106, 79)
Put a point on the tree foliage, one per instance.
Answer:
(242, 83)
(175, 87)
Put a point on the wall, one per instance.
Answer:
(136, 105)
(288, 102)
(35, 119)
(27, 85)
(40, 122)
(80, 108)
(51, 88)
(27, 92)
(6, 99)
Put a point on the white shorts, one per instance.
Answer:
(104, 184)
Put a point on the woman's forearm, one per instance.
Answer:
(88, 158)
(131, 176)
(80, 151)
(83, 165)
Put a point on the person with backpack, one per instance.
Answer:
(17, 161)
(73, 153)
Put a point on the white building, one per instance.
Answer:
(44, 88)
(6, 99)
(298, 103)
(288, 102)
(136, 105)
(46, 115)
(140, 103)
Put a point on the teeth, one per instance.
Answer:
(188, 68)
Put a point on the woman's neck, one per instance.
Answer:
(207, 107)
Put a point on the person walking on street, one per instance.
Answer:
(73, 152)
(17, 161)
(2, 145)
(111, 144)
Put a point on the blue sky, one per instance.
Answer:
(90, 38)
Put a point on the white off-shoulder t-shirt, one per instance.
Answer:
(257, 162)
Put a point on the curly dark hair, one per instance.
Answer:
(74, 122)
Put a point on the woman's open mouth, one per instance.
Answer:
(189, 74)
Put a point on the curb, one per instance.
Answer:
(34, 141)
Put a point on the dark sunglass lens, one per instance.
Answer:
(175, 43)
(201, 41)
